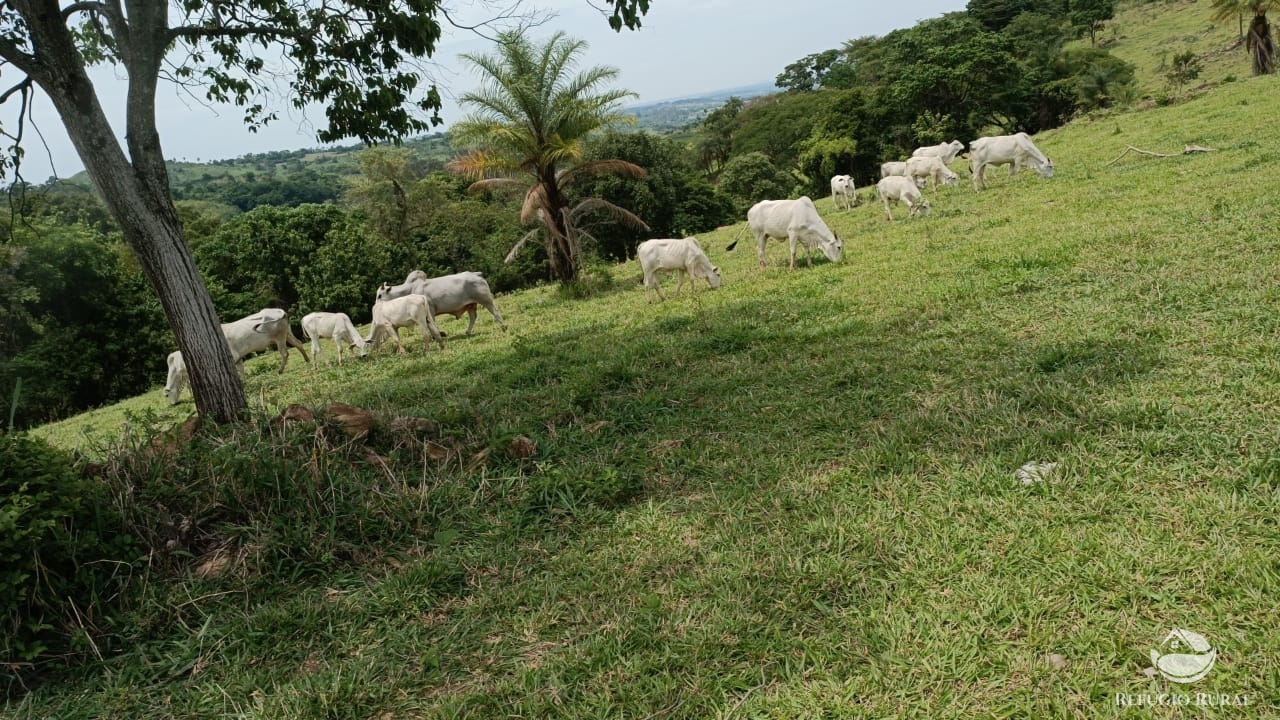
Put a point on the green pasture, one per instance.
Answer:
(794, 496)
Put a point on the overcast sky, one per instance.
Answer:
(685, 47)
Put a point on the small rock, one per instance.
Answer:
(1056, 661)
(1034, 472)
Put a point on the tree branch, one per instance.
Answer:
(1186, 150)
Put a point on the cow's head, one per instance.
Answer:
(713, 277)
(176, 379)
(382, 293)
(1046, 168)
(833, 248)
(921, 207)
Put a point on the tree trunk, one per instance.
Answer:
(138, 196)
(560, 249)
(1261, 45)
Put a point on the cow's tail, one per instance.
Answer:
(734, 244)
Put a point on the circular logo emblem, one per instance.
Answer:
(1184, 656)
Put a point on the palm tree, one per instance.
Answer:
(1258, 40)
(529, 122)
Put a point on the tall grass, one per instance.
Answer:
(790, 497)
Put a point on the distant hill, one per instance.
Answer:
(667, 115)
(660, 116)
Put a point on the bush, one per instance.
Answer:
(61, 547)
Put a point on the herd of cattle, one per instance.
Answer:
(415, 302)
(419, 299)
(902, 181)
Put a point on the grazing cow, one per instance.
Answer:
(1013, 150)
(842, 188)
(944, 151)
(449, 294)
(318, 325)
(796, 220)
(683, 256)
(245, 336)
(391, 315)
(896, 187)
(932, 168)
(895, 167)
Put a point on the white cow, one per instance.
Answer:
(896, 187)
(318, 325)
(1013, 150)
(895, 167)
(391, 315)
(449, 294)
(796, 220)
(944, 151)
(931, 168)
(842, 188)
(245, 337)
(683, 256)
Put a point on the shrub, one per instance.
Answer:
(60, 551)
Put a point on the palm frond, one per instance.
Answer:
(515, 249)
(496, 184)
(616, 213)
(601, 167)
(534, 201)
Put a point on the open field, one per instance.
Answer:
(795, 496)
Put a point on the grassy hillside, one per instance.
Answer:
(1150, 34)
(795, 496)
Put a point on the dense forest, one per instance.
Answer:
(319, 230)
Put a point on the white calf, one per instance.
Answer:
(683, 256)
(842, 188)
(896, 187)
(391, 315)
(929, 167)
(318, 325)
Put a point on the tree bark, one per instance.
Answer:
(1261, 45)
(137, 193)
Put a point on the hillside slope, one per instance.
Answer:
(1150, 34)
(795, 496)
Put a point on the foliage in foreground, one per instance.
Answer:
(63, 555)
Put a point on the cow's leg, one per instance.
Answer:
(471, 318)
(337, 343)
(429, 332)
(791, 241)
(315, 349)
(761, 239)
(292, 340)
(493, 310)
(680, 280)
(395, 333)
(652, 282)
(887, 212)
(283, 347)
